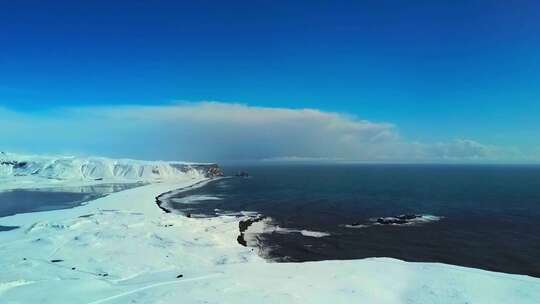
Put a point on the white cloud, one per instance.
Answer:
(222, 131)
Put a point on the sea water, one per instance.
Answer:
(478, 216)
(53, 198)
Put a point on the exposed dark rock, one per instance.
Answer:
(20, 165)
(179, 276)
(214, 171)
(390, 220)
(209, 170)
(408, 216)
(240, 239)
(159, 203)
(242, 174)
(56, 261)
(243, 225)
(15, 164)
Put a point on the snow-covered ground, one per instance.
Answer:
(123, 249)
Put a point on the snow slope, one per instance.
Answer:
(24, 170)
(123, 249)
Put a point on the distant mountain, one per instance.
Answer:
(97, 168)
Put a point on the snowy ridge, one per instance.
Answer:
(98, 168)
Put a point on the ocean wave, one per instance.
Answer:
(194, 199)
(316, 234)
(266, 225)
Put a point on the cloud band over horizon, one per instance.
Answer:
(215, 131)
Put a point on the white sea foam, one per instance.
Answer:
(267, 226)
(421, 219)
(315, 234)
(426, 218)
(195, 199)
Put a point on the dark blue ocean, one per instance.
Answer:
(488, 216)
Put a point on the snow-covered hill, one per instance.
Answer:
(99, 168)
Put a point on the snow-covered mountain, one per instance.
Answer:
(98, 168)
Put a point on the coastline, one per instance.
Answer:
(243, 223)
(105, 240)
(159, 198)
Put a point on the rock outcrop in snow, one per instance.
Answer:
(99, 168)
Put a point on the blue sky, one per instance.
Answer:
(439, 71)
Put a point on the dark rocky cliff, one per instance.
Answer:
(209, 170)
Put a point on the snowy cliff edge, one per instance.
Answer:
(100, 168)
